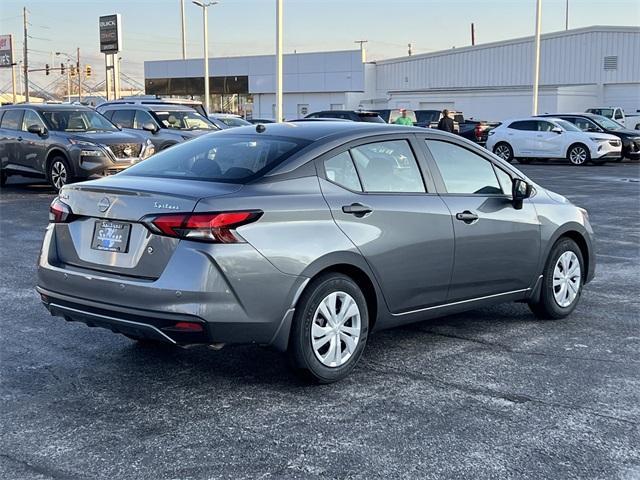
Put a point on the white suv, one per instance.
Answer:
(528, 138)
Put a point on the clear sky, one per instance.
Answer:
(151, 28)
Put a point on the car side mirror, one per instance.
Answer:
(150, 127)
(557, 130)
(520, 190)
(37, 129)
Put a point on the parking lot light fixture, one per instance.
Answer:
(205, 6)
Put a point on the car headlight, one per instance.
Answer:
(82, 143)
(149, 149)
(585, 214)
(91, 153)
(598, 139)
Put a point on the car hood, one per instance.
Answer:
(107, 138)
(625, 132)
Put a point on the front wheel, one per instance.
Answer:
(578, 155)
(504, 151)
(561, 281)
(330, 328)
(59, 172)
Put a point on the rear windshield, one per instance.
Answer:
(219, 158)
(425, 116)
(370, 117)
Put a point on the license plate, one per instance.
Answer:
(110, 236)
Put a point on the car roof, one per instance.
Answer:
(577, 114)
(47, 106)
(155, 107)
(224, 115)
(313, 131)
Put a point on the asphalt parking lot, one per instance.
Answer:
(492, 393)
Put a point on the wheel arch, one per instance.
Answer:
(578, 234)
(575, 144)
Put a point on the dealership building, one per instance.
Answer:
(584, 67)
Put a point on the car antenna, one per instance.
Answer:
(260, 128)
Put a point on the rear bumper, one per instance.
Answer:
(231, 290)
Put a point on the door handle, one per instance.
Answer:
(467, 217)
(357, 209)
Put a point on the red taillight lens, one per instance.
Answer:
(478, 131)
(204, 227)
(59, 212)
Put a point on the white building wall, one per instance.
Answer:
(263, 103)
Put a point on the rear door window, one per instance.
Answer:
(124, 118)
(341, 171)
(528, 125)
(388, 167)
(11, 119)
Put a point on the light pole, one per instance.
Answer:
(536, 63)
(279, 113)
(184, 39)
(204, 6)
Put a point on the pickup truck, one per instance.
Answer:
(628, 120)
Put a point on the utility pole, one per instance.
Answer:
(79, 75)
(26, 57)
(184, 38)
(410, 49)
(205, 25)
(473, 34)
(279, 113)
(68, 69)
(362, 50)
(536, 64)
(566, 16)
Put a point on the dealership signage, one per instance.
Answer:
(6, 51)
(110, 33)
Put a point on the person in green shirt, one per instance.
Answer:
(403, 119)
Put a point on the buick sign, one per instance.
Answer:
(110, 33)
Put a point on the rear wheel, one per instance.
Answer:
(561, 281)
(578, 155)
(329, 330)
(59, 173)
(504, 151)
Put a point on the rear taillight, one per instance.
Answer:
(59, 212)
(478, 131)
(204, 227)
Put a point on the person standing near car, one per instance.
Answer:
(446, 123)
(403, 119)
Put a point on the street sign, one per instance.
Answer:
(6, 51)
(110, 33)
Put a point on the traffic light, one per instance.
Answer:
(46, 69)
(62, 69)
(87, 70)
(72, 70)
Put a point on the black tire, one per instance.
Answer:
(578, 154)
(301, 354)
(504, 151)
(56, 166)
(547, 307)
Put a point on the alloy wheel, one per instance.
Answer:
(503, 152)
(566, 279)
(335, 330)
(578, 155)
(58, 175)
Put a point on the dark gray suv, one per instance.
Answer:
(308, 236)
(64, 143)
(164, 124)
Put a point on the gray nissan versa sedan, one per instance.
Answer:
(308, 236)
